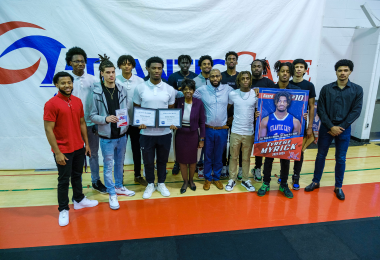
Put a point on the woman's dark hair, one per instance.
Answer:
(104, 63)
(124, 58)
(154, 59)
(283, 94)
(300, 61)
(205, 57)
(344, 62)
(61, 74)
(240, 75)
(264, 64)
(187, 83)
(184, 57)
(75, 51)
(231, 53)
(278, 65)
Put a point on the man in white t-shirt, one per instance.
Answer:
(155, 94)
(83, 87)
(127, 63)
(242, 133)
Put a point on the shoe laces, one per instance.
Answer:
(248, 183)
(113, 198)
(230, 183)
(64, 213)
(162, 186)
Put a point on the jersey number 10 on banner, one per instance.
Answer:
(280, 126)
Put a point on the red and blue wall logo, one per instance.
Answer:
(47, 46)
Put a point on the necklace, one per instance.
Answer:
(68, 103)
(247, 97)
(110, 92)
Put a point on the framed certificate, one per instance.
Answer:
(144, 116)
(168, 117)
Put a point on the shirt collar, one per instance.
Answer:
(125, 80)
(219, 88)
(77, 77)
(349, 84)
(63, 97)
(150, 84)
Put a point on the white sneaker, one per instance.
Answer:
(63, 219)
(164, 191)
(248, 185)
(240, 174)
(124, 191)
(230, 185)
(85, 203)
(149, 190)
(114, 204)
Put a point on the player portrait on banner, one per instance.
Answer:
(280, 125)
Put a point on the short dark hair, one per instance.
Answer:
(188, 83)
(184, 57)
(154, 59)
(205, 57)
(300, 61)
(231, 53)
(240, 75)
(124, 58)
(286, 94)
(75, 51)
(264, 64)
(62, 74)
(278, 65)
(344, 62)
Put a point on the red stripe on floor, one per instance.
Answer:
(38, 226)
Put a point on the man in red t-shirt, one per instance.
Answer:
(65, 130)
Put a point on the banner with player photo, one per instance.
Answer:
(316, 124)
(281, 125)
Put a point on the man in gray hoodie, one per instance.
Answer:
(108, 97)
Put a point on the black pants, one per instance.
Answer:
(134, 136)
(150, 146)
(73, 169)
(258, 162)
(285, 164)
(297, 167)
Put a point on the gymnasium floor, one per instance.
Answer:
(29, 216)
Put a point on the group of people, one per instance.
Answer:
(215, 106)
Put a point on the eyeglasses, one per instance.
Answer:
(78, 61)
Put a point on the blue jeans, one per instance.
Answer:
(113, 150)
(342, 142)
(215, 142)
(93, 140)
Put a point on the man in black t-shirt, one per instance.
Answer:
(300, 68)
(229, 77)
(184, 62)
(260, 68)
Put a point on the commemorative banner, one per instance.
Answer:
(316, 124)
(281, 125)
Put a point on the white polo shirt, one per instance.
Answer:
(82, 88)
(130, 85)
(244, 111)
(153, 96)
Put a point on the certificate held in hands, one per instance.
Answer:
(168, 117)
(144, 116)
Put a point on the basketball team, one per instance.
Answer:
(215, 106)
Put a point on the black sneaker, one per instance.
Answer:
(98, 186)
(175, 169)
(287, 192)
(296, 180)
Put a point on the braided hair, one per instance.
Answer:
(278, 65)
(104, 63)
(264, 63)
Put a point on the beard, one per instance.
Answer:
(215, 85)
(64, 93)
(283, 110)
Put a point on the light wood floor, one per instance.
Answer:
(31, 188)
